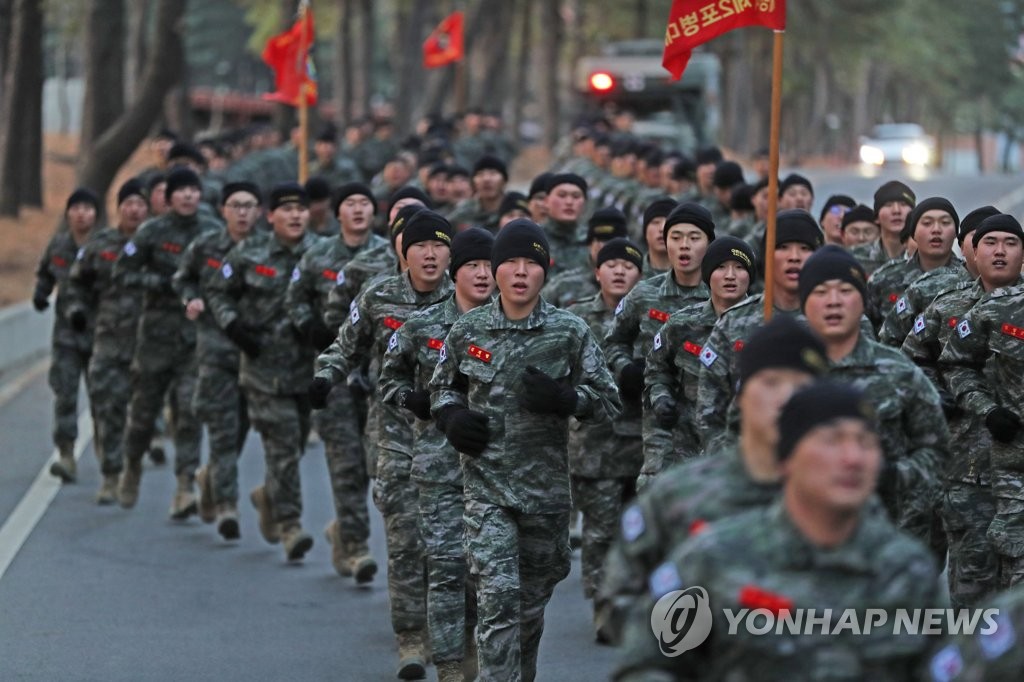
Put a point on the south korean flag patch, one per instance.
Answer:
(620, 306)
(339, 279)
(963, 329)
(225, 270)
(665, 579)
(393, 341)
(130, 249)
(442, 354)
(919, 324)
(355, 315)
(80, 254)
(708, 356)
(657, 341)
(632, 523)
(296, 274)
(901, 305)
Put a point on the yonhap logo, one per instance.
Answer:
(681, 620)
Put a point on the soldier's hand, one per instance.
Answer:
(78, 320)
(544, 395)
(466, 430)
(194, 308)
(319, 389)
(40, 303)
(243, 338)
(666, 412)
(1003, 424)
(417, 402)
(631, 380)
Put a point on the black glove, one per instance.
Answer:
(319, 389)
(466, 430)
(417, 402)
(666, 412)
(544, 395)
(78, 320)
(40, 302)
(1002, 424)
(243, 338)
(316, 334)
(631, 380)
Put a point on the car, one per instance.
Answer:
(903, 143)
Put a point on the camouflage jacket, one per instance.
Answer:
(567, 288)
(899, 318)
(987, 653)
(525, 465)
(872, 256)
(252, 288)
(93, 290)
(469, 213)
(568, 252)
(889, 283)
(367, 265)
(648, 271)
(879, 567)
(338, 171)
(52, 273)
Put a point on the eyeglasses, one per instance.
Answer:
(839, 210)
(242, 206)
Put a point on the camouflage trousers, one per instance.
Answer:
(1006, 532)
(967, 512)
(396, 496)
(451, 596)
(178, 383)
(338, 426)
(67, 367)
(663, 447)
(220, 404)
(517, 559)
(601, 501)
(109, 383)
(283, 422)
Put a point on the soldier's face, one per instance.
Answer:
(796, 196)
(705, 174)
(240, 211)
(859, 232)
(459, 188)
(789, 261)
(158, 199)
(539, 207)
(474, 282)
(833, 310)
(832, 224)
(970, 257)
(519, 280)
(132, 212)
(934, 234)
(185, 200)
(437, 187)
(399, 205)
(834, 467)
(686, 245)
(355, 214)
(999, 256)
(324, 151)
(891, 217)
(760, 201)
(81, 217)
(654, 236)
(617, 277)
(488, 183)
(428, 262)
(565, 203)
(289, 221)
(761, 399)
(730, 282)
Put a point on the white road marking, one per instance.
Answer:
(21, 382)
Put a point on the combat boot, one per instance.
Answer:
(261, 502)
(339, 557)
(412, 656)
(184, 503)
(65, 468)
(295, 540)
(207, 507)
(361, 564)
(128, 487)
(450, 671)
(227, 521)
(108, 490)
(157, 454)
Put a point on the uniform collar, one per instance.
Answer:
(669, 287)
(854, 555)
(498, 320)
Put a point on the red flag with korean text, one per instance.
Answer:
(444, 45)
(288, 55)
(695, 22)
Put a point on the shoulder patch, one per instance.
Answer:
(355, 314)
(130, 248)
(442, 354)
(964, 329)
(225, 270)
(999, 642)
(708, 356)
(901, 305)
(633, 525)
(919, 324)
(664, 579)
(340, 278)
(393, 341)
(657, 341)
(296, 274)
(946, 664)
(620, 306)
(80, 254)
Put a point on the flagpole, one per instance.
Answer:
(773, 177)
(303, 100)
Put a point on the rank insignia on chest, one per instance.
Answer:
(265, 271)
(110, 256)
(963, 329)
(392, 323)
(708, 356)
(330, 275)
(919, 324)
(698, 526)
(213, 263)
(435, 344)
(753, 597)
(692, 348)
(171, 247)
(479, 353)
(659, 315)
(901, 305)
(1010, 330)
(657, 341)
(59, 262)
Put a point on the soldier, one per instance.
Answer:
(991, 652)
(566, 201)
(656, 260)
(574, 285)
(509, 376)
(513, 205)
(911, 425)
(537, 198)
(796, 191)
(248, 302)
(218, 399)
(408, 365)
(779, 358)
(319, 272)
(70, 344)
(981, 366)
(797, 237)
(326, 162)
(831, 219)
(933, 225)
(727, 174)
(165, 358)
(858, 227)
(95, 294)
(819, 545)
(381, 309)
(605, 456)
(321, 221)
(893, 203)
(437, 188)
(156, 193)
(490, 175)
(707, 160)
(673, 361)
(458, 185)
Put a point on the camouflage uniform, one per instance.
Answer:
(517, 490)
(69, 350)
(381, 309)
(567, 288)
(649, 271)
(984, 655)
(677, 504)
(899, 318)
(981, 363)
(338, 171)
(218, 400)
(639, 316)
(568, 252)
(673, 372)
(251, 292)
(878, 567)
(318, 274)
(469, 213)
(888, 283)
(408, 365)
(165, 356)
(94, 291)
(872, 256)
(603, 460)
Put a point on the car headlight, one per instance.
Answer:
(872, 155)
(916, 154)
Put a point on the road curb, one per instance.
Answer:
(24, 335)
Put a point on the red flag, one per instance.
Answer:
(288, 55)
(444, 45)
(695, 22)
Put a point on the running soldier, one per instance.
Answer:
(490, 175)
(566, 201)
(893, 203)
(656, 260)
(579, 283)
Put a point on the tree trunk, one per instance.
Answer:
(368, 48)
(135, 55)
(32, 139)
(23, 68)
(5, 41)
(523, 67)
(343, 65)
(552, 33)
(410, 30)
(489, 54)
(163, 70)
(641, 19)
(104, 70)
